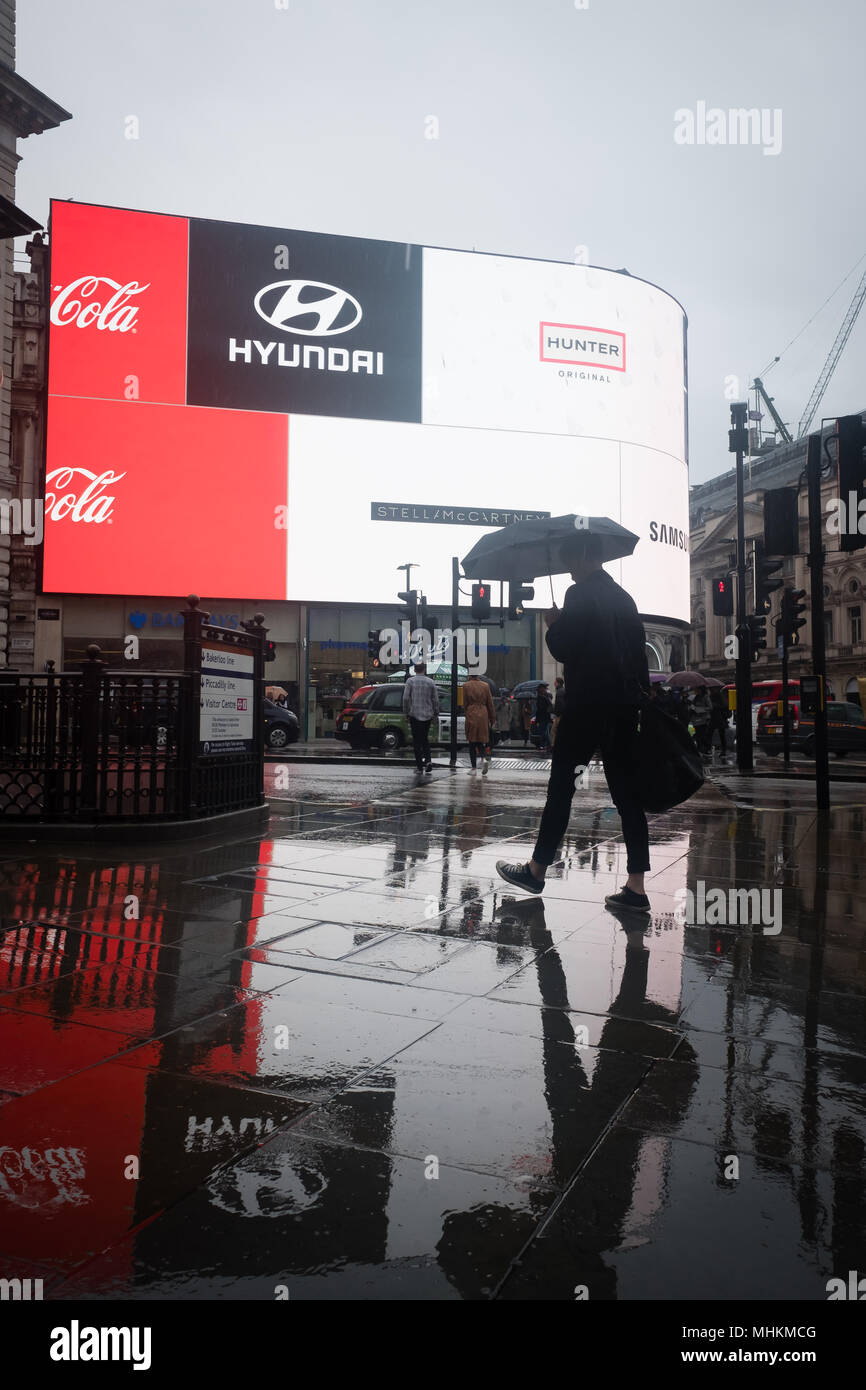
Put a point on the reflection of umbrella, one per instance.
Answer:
(691, 680)
(526, 688)
(527, 549)
(272, 691)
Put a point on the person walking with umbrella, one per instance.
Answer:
(480, 715)
(543, 715)
(599, 639)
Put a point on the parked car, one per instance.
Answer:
(281, 725)
(375, 718)
(145, 715)
(846, 729)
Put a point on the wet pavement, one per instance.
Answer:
(344, 1058)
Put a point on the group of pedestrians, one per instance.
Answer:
(702, 710)
(421, 706)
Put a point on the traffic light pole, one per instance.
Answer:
(786, 726)
(737, 440)
(455, 621)
(819, 653)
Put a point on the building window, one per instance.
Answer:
(702, 645)
(856, 624)
(828, 628)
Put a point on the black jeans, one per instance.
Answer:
(612, 729)
(421, 741)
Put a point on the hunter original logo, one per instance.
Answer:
(99, 300)
(577, 345)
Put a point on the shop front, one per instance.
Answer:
(157, 625)
(339, 661)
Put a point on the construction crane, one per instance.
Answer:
(830, 365)
(758, 386)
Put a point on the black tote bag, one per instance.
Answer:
(669, 767)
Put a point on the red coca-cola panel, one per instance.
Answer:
(118, 304)
(171, 499)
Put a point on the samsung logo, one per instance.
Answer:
(669, 535)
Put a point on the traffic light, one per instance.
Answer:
(756, 629)
(426, 621)
(765, 566)
(270, 653)
(723, 596)
(410, 598)
(789, 619)
(852, 474)
(480, 601)
(519, 594)
(374, 646)
(781, 521)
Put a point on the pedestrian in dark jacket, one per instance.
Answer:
(600, 640)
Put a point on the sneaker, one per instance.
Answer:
(429, 767)
(485, 767)
(519, 876)
(625, 898)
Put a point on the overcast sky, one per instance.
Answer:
(556, 129)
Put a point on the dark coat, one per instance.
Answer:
(600, 640)
(479, 710)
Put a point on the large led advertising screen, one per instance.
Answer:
(251, 412)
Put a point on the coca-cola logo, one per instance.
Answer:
(83, 505)
(114, 312)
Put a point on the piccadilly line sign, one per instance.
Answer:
(451, 516)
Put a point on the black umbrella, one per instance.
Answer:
(527, 549)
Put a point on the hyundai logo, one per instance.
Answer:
(307, 307)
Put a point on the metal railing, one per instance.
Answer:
(110, 746)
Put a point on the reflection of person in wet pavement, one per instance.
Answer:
(600, 639)
(580, 1109)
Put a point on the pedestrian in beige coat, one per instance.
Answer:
(480, 714)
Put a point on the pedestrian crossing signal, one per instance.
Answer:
(723, 596)
(519, 594)
(481, 601)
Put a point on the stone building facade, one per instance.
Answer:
(713, 519)
(23, 111)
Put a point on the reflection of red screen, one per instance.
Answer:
(118, 304)
(186, 501)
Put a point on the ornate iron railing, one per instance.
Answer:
(112, 746)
